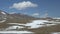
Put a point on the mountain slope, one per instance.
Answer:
(17, 17)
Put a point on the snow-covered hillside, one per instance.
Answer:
(33, 24)
(2, 16)
(38, 23)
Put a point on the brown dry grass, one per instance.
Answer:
(43, 30)
(46, 30)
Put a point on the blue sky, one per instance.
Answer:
(36, 8)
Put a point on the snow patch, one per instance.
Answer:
(14, 27)
(38, 23)
(2, 21)
(21, 32)
(3, 12)
(16, 23)
(50, 24)
(34, 24)
(55, 33)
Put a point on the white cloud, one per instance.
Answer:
(35, 14)
(23, 5)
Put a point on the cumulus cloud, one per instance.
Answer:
(23, 5)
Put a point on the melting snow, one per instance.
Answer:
(50, 24)
(14, 27)
(33, 24)
(16, 23)
(3, 13)
(55, 33)
(2, 21)
(38, 23)
(21, 32)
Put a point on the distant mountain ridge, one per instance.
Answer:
(17, 17)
